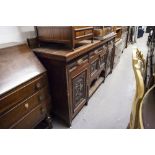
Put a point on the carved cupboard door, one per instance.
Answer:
(78, 87)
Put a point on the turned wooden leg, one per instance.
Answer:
(49, 121)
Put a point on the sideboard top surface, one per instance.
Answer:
(61, 53)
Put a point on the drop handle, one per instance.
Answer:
(41, 97)
(26, 105)
(38, 85)
(42, 110)
(80, 61)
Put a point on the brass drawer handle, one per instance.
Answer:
(41, 97)
(105, 48)
(97, 51)
(80, 61)
(26, 105)
(72, 69)
(42, 110)
(38, 85)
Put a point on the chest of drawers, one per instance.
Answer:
(24, 95)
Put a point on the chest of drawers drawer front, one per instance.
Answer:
(16, 113)
(22, 93)
(32, 118)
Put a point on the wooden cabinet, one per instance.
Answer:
(75, 75)
(23, 89)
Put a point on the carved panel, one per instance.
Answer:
(79, 89)
(93, 67)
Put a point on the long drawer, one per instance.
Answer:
(20, 110)
(22, 93)
(32, 118)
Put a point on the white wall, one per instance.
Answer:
(15, 33)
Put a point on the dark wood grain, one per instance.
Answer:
(70, 73)
(69, 35)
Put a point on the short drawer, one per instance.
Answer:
(21, 93)
(78, 63)
(16, 113)
(32, 119)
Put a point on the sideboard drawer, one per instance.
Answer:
(20, 110)
(32, 118)
(21, 93)
(78, 63)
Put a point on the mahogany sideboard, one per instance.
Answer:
(75, 75)
(69, 35)
(24, 94)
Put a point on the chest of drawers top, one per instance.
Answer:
(18, 65)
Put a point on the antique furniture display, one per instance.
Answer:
(138, 63)
(118, 31)
(149, 28)
(69, 35)
(147, 110)
(124, 37)
(110, 46)
(151, 37)
(103, 31)
(118, 51)
(24, 95)
(150, 67)
(120, 44)
(75, 75)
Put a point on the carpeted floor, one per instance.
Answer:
(110, 106)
